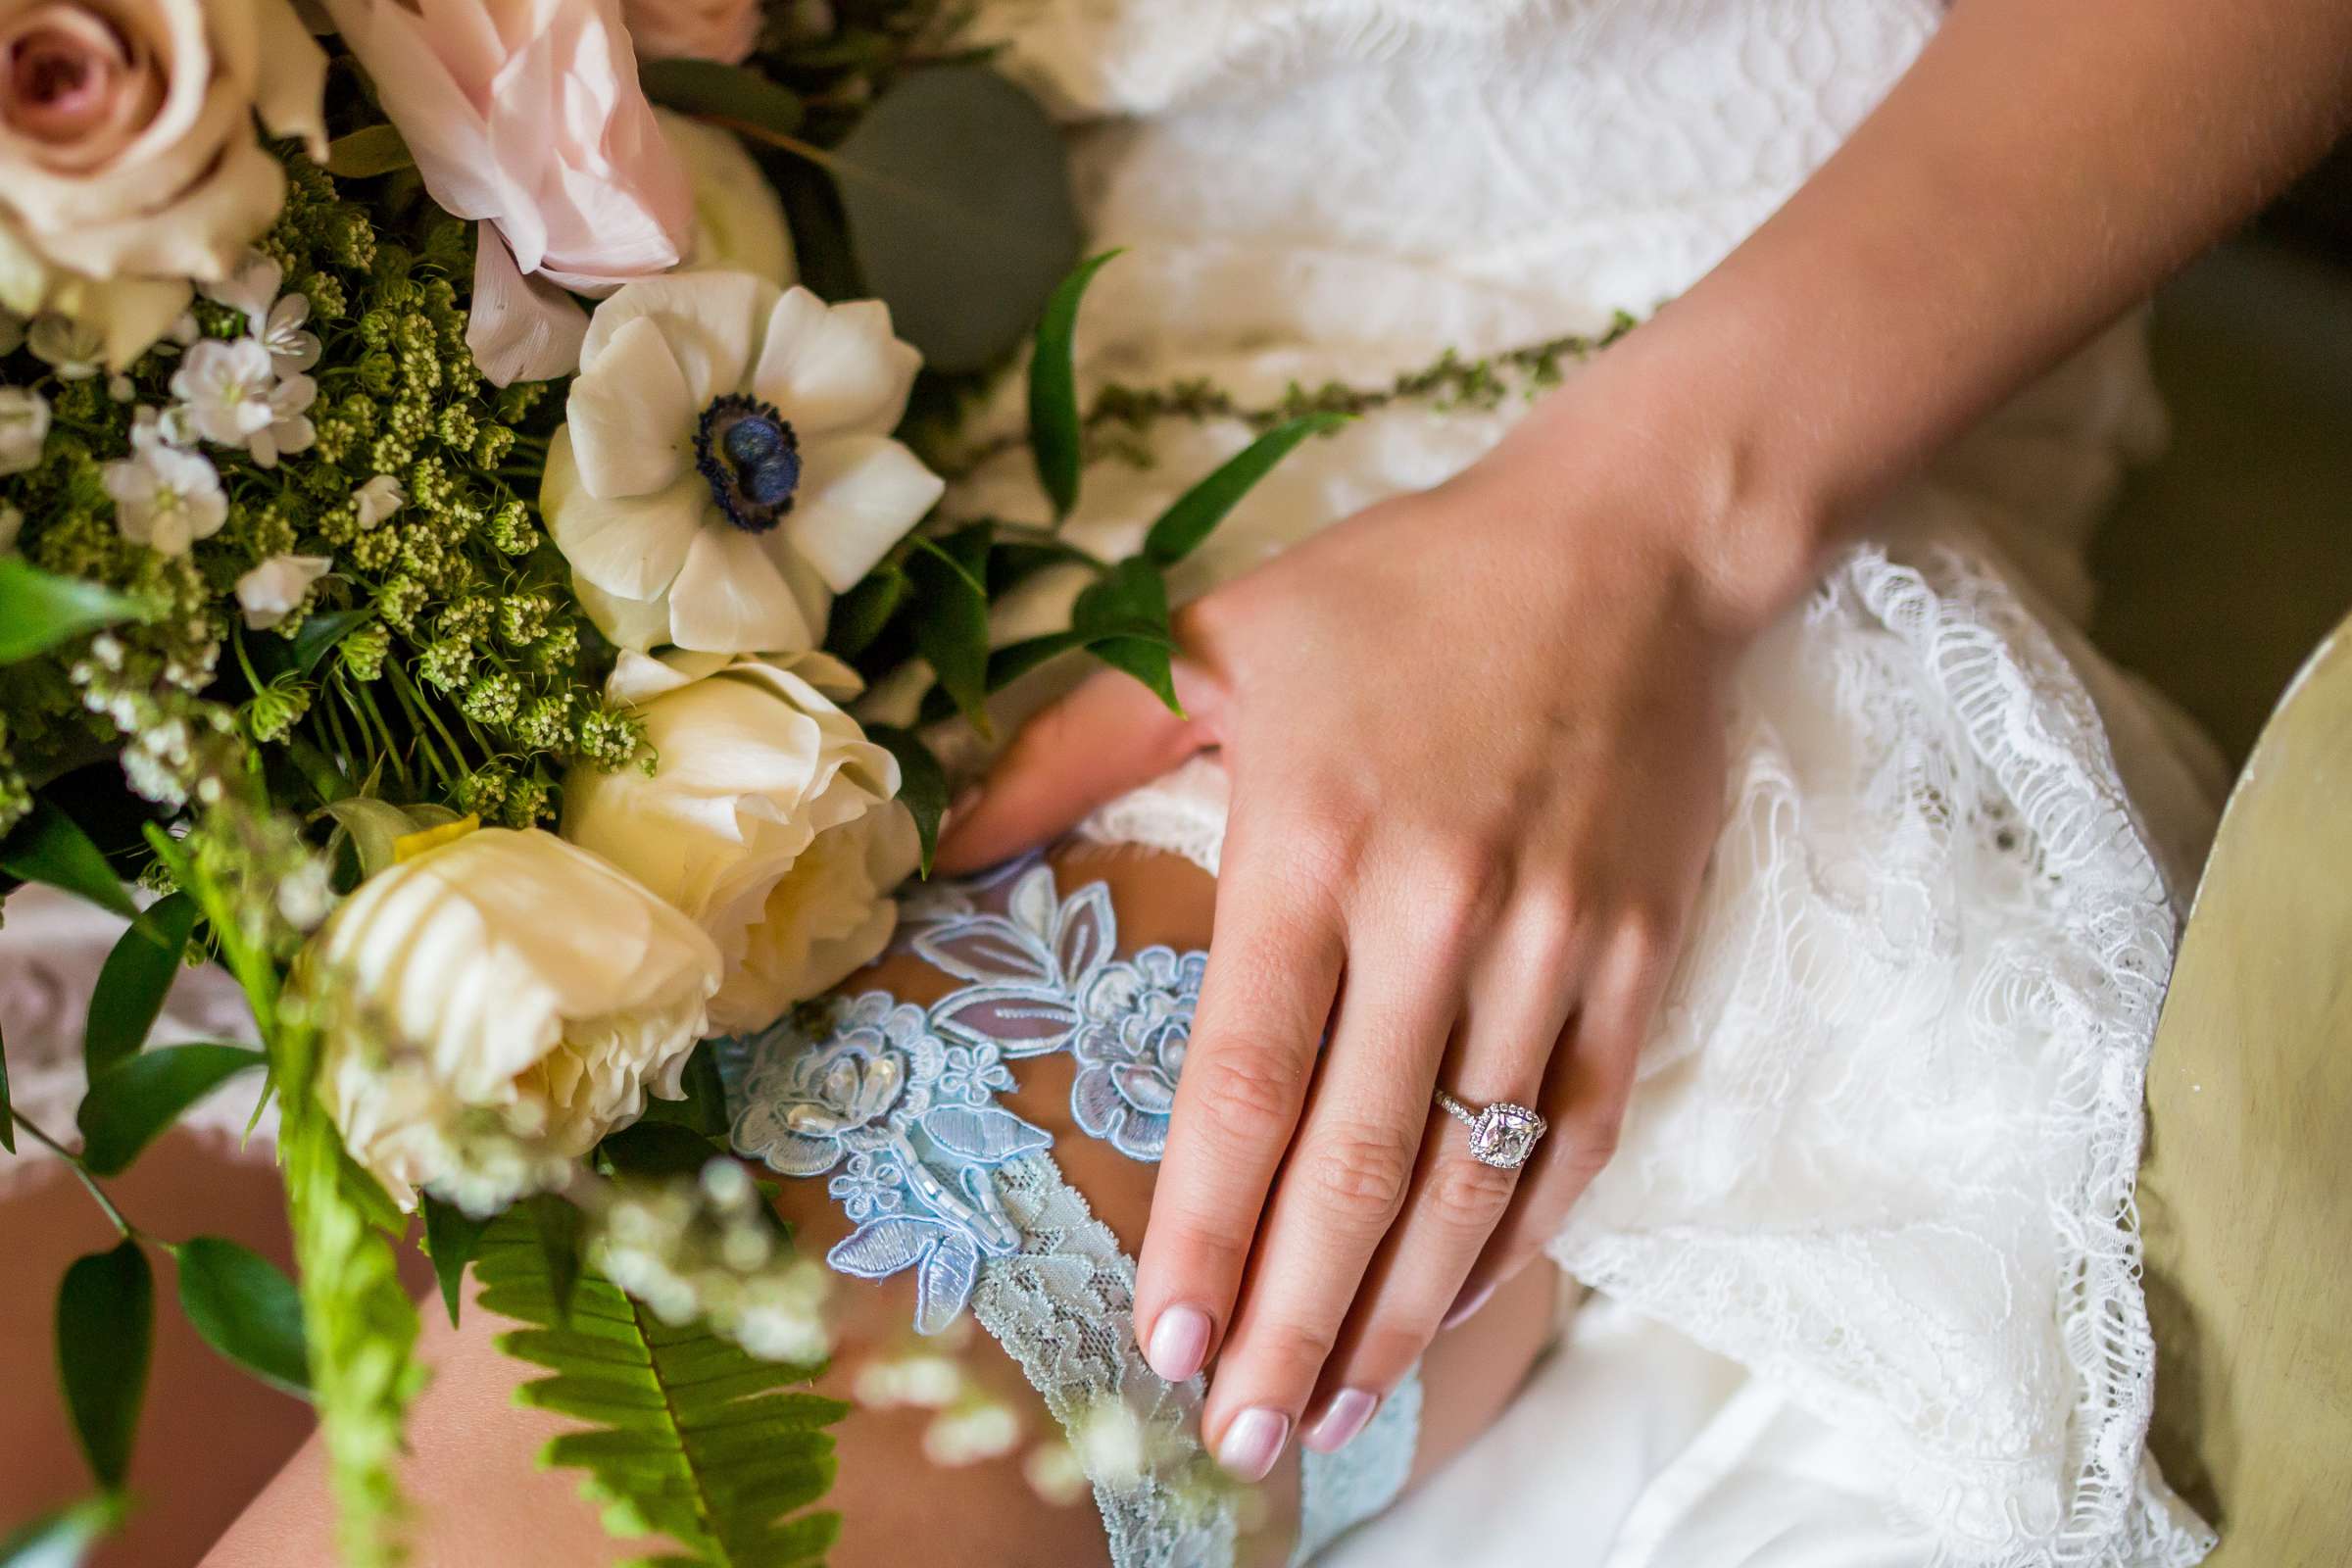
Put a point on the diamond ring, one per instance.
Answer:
(1502, 1135)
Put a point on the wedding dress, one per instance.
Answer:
(1865, 1264)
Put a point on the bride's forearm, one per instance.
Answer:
(2041, 166)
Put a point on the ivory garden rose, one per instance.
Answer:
(770, 820)
(500, 1001)
(128, 159)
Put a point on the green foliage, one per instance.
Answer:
(39, 610)
(367, 152)
(689, 1437)
(1196, 513)
(1055, 440)
(451, 1236)
(132, 1104)
(1122, 618)
(246, 1309)
(133, 982)
(49, 847)
(105, 1337)
(63, 1537)
(923, 783)
(957, 190)
(950, 611)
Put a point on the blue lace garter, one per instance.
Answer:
(896, 1104)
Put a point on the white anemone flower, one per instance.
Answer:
(727, 466)
(165, 498)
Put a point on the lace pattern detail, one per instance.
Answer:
(1339, 1491)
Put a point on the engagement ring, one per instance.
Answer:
(1501, 1136)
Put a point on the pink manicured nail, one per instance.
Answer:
(1466, 1306)
(1179, 1344)
(1341, 1419)
(1253, 1443)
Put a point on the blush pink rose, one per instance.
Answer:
(527, 115)
(724, 31)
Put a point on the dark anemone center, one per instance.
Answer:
(748, 454)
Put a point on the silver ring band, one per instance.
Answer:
(1501, 1135)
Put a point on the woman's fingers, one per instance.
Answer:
(1340, 1189)
(1517, 1007)
(1273, 970)
(1109, 736)
(1584, 1094)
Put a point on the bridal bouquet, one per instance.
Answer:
(456, 491)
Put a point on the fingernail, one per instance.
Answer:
(1341, 1419)
(1179, 1346)
(1466, 1304)
(1253, 1443)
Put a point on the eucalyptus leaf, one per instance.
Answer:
(136, 977)
(922, 784)
(957, 190)
(710, 91)
(950, 617)
(1055, 439)
(63, 1537)
(105, 1337)
(39, 610)
(246, 1309)
(368, 152)
(133, 1103)
(1197, 512)
(50, 847)
(450, 1237)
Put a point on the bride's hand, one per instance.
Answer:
(1476, 748)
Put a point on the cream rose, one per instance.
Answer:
(128, 163)
(770, 820)
(739, 221)
(498, 1003)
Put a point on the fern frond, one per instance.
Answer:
(689, 1437)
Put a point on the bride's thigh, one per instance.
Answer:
(482, 1502)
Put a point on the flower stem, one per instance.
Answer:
(73, 1163)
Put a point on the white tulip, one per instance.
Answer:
(738, 218)
(497, 1004)
(770, 821)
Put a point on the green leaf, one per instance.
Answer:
(105, 1334)
(39, 610)
(1123, 621)
(557, 1227)
(660, 1149)
(722, 93)
(956, 189)
(50, 847)
(63, 1537)
(135, 1100)
(368, 152)
(1197, 512)
(375, 827)
(687, 1436)
(247, 1310)
(950, 615)
(451, 1236)
(320, 633)
(860, 615)
(923, 783)
(704, 1109)
(132, 986)
(1055, 439)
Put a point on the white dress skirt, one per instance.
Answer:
(1865, 1271)
(1865, 1268)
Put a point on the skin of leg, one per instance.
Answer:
(484, 1503)
(211, 1435)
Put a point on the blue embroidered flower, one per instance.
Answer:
(868, 1186)
(1130, 1051)
(817, 1100)
(974, 1072)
